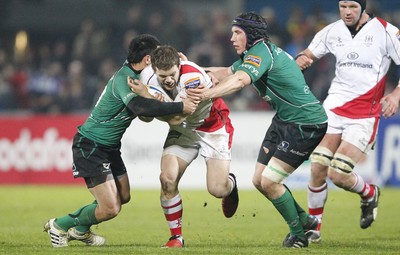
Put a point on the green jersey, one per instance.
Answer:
(278, 80)
(110, 117)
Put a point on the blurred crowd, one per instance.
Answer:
(67, 75)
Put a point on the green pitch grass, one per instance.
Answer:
(140, 228)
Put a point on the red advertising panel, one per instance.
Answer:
(37, 149)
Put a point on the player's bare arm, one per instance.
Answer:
(227, 86)
(218, 73)
(305, 59)
(390, 103)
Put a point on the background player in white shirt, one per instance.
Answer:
(364, 47)
(207, 131)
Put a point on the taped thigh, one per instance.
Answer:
(321, 155)
(275, 172)
(342, 163)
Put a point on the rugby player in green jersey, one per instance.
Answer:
(96, 147)
(298, 126)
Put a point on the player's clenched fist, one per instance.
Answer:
(304, 61)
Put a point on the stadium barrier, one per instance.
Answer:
(37, 150)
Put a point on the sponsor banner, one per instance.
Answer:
(37, 150)
(387, 163)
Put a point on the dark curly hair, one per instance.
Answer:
(254, 25)
(141, 46)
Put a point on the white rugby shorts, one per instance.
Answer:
(359, 132)
(192, 142)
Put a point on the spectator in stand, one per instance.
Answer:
(44, 87)
(178, 32)
(278, 34)
(7, 95)
(79, 89)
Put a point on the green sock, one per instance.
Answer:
(85, 216)
(300, 211)
(84, 229)
(302, 214)
(286, 207)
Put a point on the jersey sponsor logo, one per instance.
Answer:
(283, 146)
(192, 83)
(352, 55)
(299, 153)
(356, 64)
(253, 60)
(251, 68)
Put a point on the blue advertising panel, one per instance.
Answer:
(388, 151)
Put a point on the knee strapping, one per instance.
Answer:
(342, 163)
(275, 172)
(321, 155)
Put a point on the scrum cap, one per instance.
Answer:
(363, 3)
(254, 26)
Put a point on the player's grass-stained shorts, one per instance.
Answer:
(290, 142)
(91, 159)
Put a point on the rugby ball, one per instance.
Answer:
(153, 90)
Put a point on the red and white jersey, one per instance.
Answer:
(362, 63)
(210, 115)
